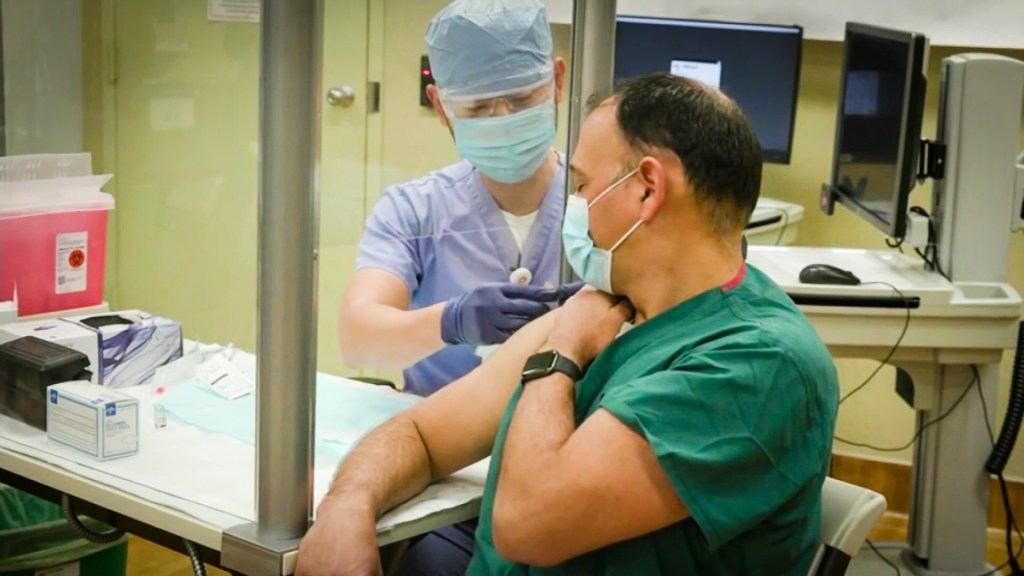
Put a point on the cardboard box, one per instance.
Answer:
(132, 345)
(60, 332)
(93, 419)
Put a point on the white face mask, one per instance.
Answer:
(592, 264)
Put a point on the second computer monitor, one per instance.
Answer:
(878, 123)
(757, 65)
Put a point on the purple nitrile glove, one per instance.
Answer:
(490, 313)
(566, 291)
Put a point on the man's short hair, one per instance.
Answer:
(706, 130)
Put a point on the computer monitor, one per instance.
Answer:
(757, 65)
(878, 125)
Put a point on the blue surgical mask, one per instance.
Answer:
(592, 264)
(508, 148)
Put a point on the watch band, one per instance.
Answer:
(547, 363)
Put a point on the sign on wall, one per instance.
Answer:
(233, 10)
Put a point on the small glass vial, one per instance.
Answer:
(159, 417)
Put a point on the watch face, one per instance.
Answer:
(539, 364)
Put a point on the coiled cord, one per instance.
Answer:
(68, 508)
(1014, 412)
(198, 568)
(1003, 447)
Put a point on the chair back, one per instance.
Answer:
(848, 514)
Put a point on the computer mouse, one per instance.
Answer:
(827, 274)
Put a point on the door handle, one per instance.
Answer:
(343, 96)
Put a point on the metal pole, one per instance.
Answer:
(593, 65)
(290, 46)
(3, 105)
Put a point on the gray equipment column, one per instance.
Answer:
(593, 66)
(290, 46)
(979, 119)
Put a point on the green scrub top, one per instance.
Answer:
(737, 396)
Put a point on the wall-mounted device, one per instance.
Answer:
(426, 79)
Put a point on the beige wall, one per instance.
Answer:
(414, 143)
(186, 167)
(187, 198)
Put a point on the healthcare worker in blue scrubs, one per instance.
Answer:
(463, 257)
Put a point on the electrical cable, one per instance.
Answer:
(884, 559)
(1011, 526)
(930, 254)
(996, 570)
(67, 507)
(920, 430)
(1003, 447)
(906, 325)
(785, 226)
(999, 461)
(198, 568)
(898, 244)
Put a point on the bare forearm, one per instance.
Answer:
(381, 336)
(540, 427)
(387, 468)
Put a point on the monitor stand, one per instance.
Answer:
(979, 120)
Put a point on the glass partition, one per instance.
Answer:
(162, 97)
(142, 118)
(406, 141)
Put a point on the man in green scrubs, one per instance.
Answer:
(694, 443)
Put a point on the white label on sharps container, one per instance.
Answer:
(72, 262)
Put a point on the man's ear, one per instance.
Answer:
(651, 174)
(435, 99)
(559, 78)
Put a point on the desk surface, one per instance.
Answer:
(197, 485)
(956, 323)
(200, 506)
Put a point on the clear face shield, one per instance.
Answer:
(458, 106)
(506, 135)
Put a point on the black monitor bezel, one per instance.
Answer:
(769, 156)
(910, 126)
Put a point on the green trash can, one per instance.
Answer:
(35, 540)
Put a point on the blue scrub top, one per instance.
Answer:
(443, 235)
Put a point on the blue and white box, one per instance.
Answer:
(93, 419)
(132, 345)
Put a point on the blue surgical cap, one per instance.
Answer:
(480, 48)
